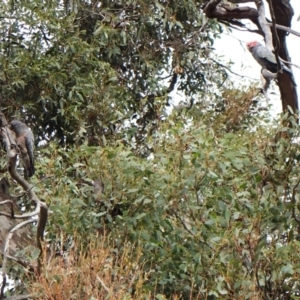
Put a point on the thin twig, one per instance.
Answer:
(29, 267)
(203, 26)
(234, 26)
(187, 229)
(279, 27)
(225, 67)
(103, 284)
(32, 186)
(289, 63)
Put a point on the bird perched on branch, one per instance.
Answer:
(25, 143)
(266, 58)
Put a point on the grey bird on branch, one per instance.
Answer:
(266, 58)
(25, 143)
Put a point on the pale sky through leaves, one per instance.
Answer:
(232, 46)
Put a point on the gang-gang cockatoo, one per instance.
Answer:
(266, 58)
(25, 142)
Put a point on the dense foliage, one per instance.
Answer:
(198, 203)
(214, 213)
(83, 69)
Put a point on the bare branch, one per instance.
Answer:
(233, 23)
(284, 28)
(227, 12)
(6, 249)
(5, 201)
(236, 26)
(276, 38)
(240, 1)
(23, 216)
(103, 284)
(29, 267)
(46, 177)
(263, 24)
(289, 63)
(232, 72)
(21, 297)
(215, 9)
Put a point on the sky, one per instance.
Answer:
(232, 46)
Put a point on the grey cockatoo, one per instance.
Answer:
(25, 142)
(266, 58)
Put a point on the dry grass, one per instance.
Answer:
(237, 106)
(99, 273)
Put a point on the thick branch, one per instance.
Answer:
(41, 208)
(263, 24)
(240, 1)
(275, 37)
(284, 13)
(285, 28)
(233, 23)
(215, 9)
